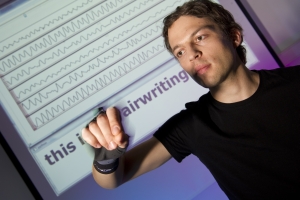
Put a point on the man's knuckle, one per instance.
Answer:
(101, 116)
(92, 125)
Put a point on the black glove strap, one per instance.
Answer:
(104, 154)
(106, 161)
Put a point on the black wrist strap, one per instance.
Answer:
(107, 161)
(106, 168)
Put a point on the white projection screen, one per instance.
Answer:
(62, 59)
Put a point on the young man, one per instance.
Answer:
(245, 129)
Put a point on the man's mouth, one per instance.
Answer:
(201, 69)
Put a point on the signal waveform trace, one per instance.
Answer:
(32, 33)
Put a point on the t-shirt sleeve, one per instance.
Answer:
(174, 136)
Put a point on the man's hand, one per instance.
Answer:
(106, 131)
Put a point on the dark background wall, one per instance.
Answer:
(12, 186)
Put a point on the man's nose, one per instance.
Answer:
(194, 53)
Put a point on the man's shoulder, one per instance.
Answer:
(280, 79)
(278, 75)
(284, 70)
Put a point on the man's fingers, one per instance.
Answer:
(122, 139)
(90, 138)
(104, 126)
(106, 131)
(114, 119)
(98, 133)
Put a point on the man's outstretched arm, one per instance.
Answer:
(107, 131)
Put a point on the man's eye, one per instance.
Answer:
(179, 54)
(199, 38)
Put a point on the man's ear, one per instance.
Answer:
(236, 37)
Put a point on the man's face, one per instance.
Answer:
(202, 50)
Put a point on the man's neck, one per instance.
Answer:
(239, 85)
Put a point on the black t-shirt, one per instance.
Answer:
(252, 147)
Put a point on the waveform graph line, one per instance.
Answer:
(81, 94)
(59, 87)
(147, 29)
(107, 59)
(21, 77)
(58, 36)
(42, 29)
(47, 16)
